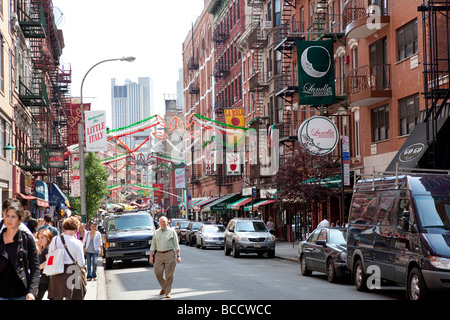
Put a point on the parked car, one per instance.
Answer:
(248, 236)
(174, 221)
(180, 229)
(191, 232)
(400, 227)
(210, 235)
(325, 251)
(127, 236)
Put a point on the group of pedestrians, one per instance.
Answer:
(24, 254)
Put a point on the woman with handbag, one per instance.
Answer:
(70, 284)
(19, 264)
(93, 246)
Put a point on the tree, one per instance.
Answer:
(96, 185)
(301, 182)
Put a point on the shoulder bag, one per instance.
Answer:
(82, 269)
(55, 261)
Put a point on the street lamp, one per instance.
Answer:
(81, 135)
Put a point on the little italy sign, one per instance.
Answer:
(318, 135)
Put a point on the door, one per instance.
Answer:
(309, 247)
(402, 238)
(317, 251)
(319, 254)
(379, 72)
(383, 255)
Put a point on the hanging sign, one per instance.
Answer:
(233, 166)
(318, 135)
(208, 163)
(180, 181)
(315, 72)
(95, 131)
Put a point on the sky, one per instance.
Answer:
(152, 31)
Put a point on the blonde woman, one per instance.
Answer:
(69, 284)
(44, 238)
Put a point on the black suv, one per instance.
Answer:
(127, 236)
(191, 232)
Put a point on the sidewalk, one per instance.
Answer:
(283, 250)
(92, 286)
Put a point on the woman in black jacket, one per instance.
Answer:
(19, 264)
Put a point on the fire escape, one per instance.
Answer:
(436, 61)
(194, 91)
(222, 67)
(43, 91)
(285, 86)
(257, 40)
(323, 26)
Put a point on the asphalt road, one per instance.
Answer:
(210, 275)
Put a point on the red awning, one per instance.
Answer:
(26, 197)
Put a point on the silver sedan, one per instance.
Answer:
(210, 235)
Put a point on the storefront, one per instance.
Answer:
(40, 206)
(57, 201)
(219, 208)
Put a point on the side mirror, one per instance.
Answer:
(321, 242)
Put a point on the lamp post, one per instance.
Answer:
(81, 136)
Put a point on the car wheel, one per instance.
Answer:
(203, 245)
(271, 254)
(303, 269)
(236, 252)
(331, 273)
(416, 288)
(226, 250)
(360, 276)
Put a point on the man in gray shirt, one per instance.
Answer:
(165, 243)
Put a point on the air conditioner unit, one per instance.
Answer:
(267, 25)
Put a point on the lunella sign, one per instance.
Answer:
(318, 135)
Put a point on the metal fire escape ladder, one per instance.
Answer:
(284, 86)
(221, 69)
(257, 41)
(436, 60)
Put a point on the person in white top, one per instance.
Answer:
(324, 223)
(58, 287)
(93, 246)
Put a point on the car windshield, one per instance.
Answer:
(184, 224)
(434, 211)
(196, 225)
(138, 222)
(214, 229)
(251, 226)
(338, 237)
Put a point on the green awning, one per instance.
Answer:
(221, 203)
(331, 182)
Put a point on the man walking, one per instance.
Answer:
(48, 225)
(165, 242)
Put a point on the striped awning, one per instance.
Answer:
(205, 201)
(238, 204)
(258, 204)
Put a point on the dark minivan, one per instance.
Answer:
(127, 237)
(399, 230)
